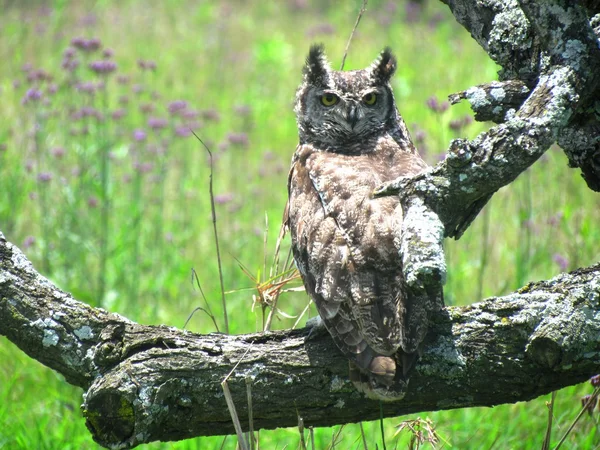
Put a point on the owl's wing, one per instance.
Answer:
(339, 254)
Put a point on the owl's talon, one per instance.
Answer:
(316, 327)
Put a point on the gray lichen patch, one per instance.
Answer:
(510, 30)
(84, 333)
(574, 51)
(498, 94)
(421, 244)
(51, 338)
(337, 384)
(477, 97)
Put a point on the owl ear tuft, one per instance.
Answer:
(384, 66)
(317, 68)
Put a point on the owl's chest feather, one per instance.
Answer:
(345, 185)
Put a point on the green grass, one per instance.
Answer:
(148, 200)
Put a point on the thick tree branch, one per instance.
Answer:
(517, 35)
(549, 45)
(146, 383)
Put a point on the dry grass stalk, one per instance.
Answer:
(206, 310)
(422, 430)
(547, 436)
(231, 406)
(250, 416)
(593, 398)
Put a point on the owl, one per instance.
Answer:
(345, 242)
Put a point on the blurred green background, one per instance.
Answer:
(106, 191)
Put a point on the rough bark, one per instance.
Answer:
(147, 383)
(552, 47)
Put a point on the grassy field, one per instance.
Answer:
(107, 193)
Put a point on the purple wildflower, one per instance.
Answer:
(190, 114)
(433, 103)
(69, 53)
(456, 124)
(240, 139)
(28, 242)
(562, 262)
(70, 64)
(89, 20)
(44, 177)
(320, 29)
(183, 131)
(177, 106)
(595, 380)
(32, 95)
(58, 152)
(35, 75)
(86, 45)
(156, 123)
(223, 198)
(143, 167)
(420, 136)
(146, 65)
(122, 79)
(139, 135)
(123, 100)
(436, 19)
(147, 108)
(412, 11)
(87, 111)
(242, 110)
(92, 201)
(108, 53)
(211, 115)
(118, 114)
(103, 66)
(193, 124)
(555, 219)
(86, 87)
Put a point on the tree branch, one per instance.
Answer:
(147, 383)
(550, 45)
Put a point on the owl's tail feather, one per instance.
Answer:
(380, 382)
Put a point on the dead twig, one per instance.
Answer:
(360, 13)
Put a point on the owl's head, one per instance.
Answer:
(345, 111)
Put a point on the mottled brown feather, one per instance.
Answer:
(346, 242)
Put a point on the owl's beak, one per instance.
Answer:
(352, 115)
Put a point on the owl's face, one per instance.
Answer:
(344, 111)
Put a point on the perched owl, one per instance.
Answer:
(346, 242)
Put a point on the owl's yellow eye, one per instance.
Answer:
(329, 99)
(370, 98)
